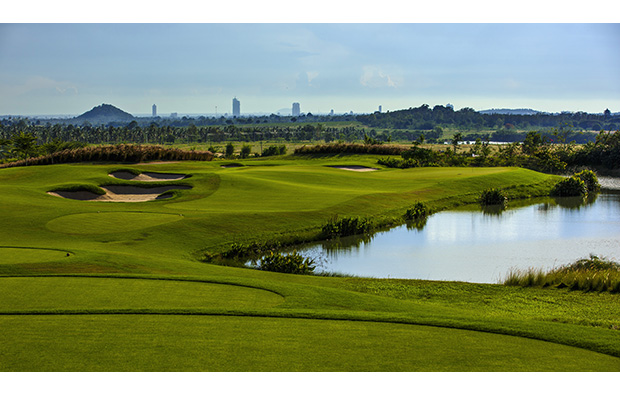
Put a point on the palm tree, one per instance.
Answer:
(24, 145)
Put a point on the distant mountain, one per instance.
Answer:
(517, 111)
(105, 113)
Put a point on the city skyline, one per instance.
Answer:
(49, 69)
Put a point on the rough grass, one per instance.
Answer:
(588, 274)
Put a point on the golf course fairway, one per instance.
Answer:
(124, 285)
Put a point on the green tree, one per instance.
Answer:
(245, 151)
(24, 145)
(533, 141)
(230, 150)
(458, 137)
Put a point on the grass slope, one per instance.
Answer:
(131, 295)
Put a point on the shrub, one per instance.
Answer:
(346, 227)
(389, 162)
(571, 186)
(114, 153)
(274, 150)
(349, 148)
(292, 263)
(245, 151)
(422, 156)
(493, 196)
(589, 177)
(397, 163)
(230, 150)
(418, 211)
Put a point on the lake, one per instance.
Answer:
(482, 247)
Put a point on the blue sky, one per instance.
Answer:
(194, 68)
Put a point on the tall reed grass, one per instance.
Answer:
(114, 153)
(588, 274)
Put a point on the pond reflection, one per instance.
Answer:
(496, 209)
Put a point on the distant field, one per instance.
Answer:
(133, 295)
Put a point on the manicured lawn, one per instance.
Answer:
(9, 255)
(208, 343)
(133, 295)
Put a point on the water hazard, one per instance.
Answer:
(475, 246)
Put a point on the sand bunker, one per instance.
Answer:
(355, 168)
(147, 176)
(122, 193)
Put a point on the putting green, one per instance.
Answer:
(13, 255)
(109, 222)
(75, 293)
(220, 343)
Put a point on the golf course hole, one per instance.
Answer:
(109, 222)
(121, 193)
(147, 176)
(17, 255)
(354, 168)
(75, 293)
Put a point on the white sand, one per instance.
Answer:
(355, 168)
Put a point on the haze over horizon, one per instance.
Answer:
(48, 69)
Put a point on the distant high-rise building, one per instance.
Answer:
(296, 111)
(379, 108)
(154, 110)
(331, 112)
(236, 107)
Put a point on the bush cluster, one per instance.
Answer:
(590, 179)
(604, 152)
(571, 186)
(492, 197)
(293, 263)
(398, 163)
(253, 249)
(115, 153)
(418, 211)
(273, 150)
(346, 227)
(579, 184)
(349, 148)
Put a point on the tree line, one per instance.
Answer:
(467, 119)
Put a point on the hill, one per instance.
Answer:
(105, 113)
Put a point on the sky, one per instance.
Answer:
(197, 68)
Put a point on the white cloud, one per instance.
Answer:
(311, 75)
(376, 77)
(41, 84)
